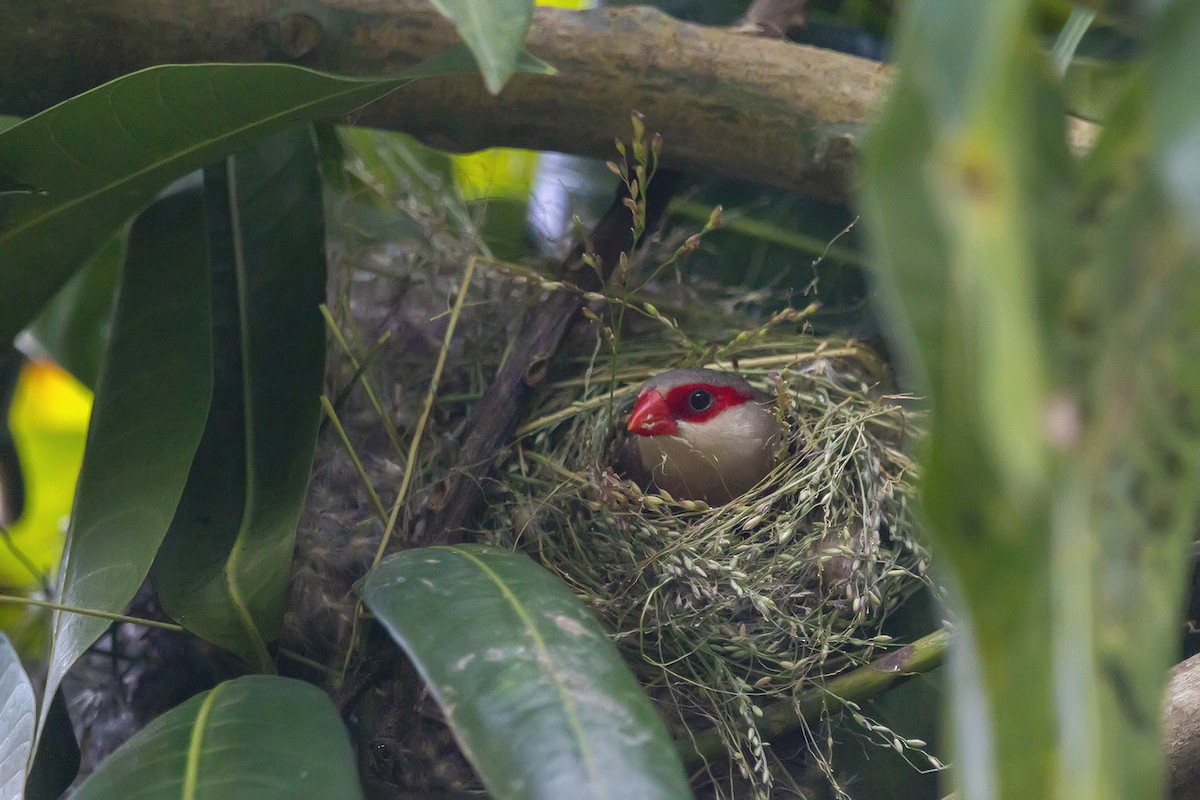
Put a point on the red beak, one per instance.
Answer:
(651, 417)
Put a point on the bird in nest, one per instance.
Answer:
(700, 434)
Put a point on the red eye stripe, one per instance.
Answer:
(723, 397)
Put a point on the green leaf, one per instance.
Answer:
(99, 157)
(256, 738)
(151, 403)
(222, 571)
(74, 327)
(1129, 510)
(395, 164)
(531, 686)
(969, 197)
(495, 31)
(56, 762)
(1127, 514)
(1069, 38)
(18, 717)
(371, 168)
(1052, 311)
(1174, 116)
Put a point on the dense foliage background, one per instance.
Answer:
(162, 236)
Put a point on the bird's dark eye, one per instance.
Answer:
(700, 400)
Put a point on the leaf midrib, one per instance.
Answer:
(543, 660)
(191, 771)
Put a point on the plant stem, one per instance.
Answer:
(90, 612)
(24, 560)
(376, 503)
(868, 681)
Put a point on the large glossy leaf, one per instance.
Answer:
(97, 158)
(495, 31)
(253, 738)
(222, 571)
(17, 721)
(532, 688)
(74, 327)
(149, 412)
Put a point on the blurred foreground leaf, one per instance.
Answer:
(1048, 309)
(12, 479)
(49, 421)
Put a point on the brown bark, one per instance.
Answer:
(1181, 730)
(729, 103)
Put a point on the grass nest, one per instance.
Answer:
(722, 609)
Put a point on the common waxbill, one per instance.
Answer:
(701, 434)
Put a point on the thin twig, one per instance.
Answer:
(313, 664)
(414, 444)
(90, 612)
(414, 448)
(868, 681)
(771, 233)
(380, 511)
(25, 561)
(361, 376)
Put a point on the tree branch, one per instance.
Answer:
(743, 106)
(1181, 729)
